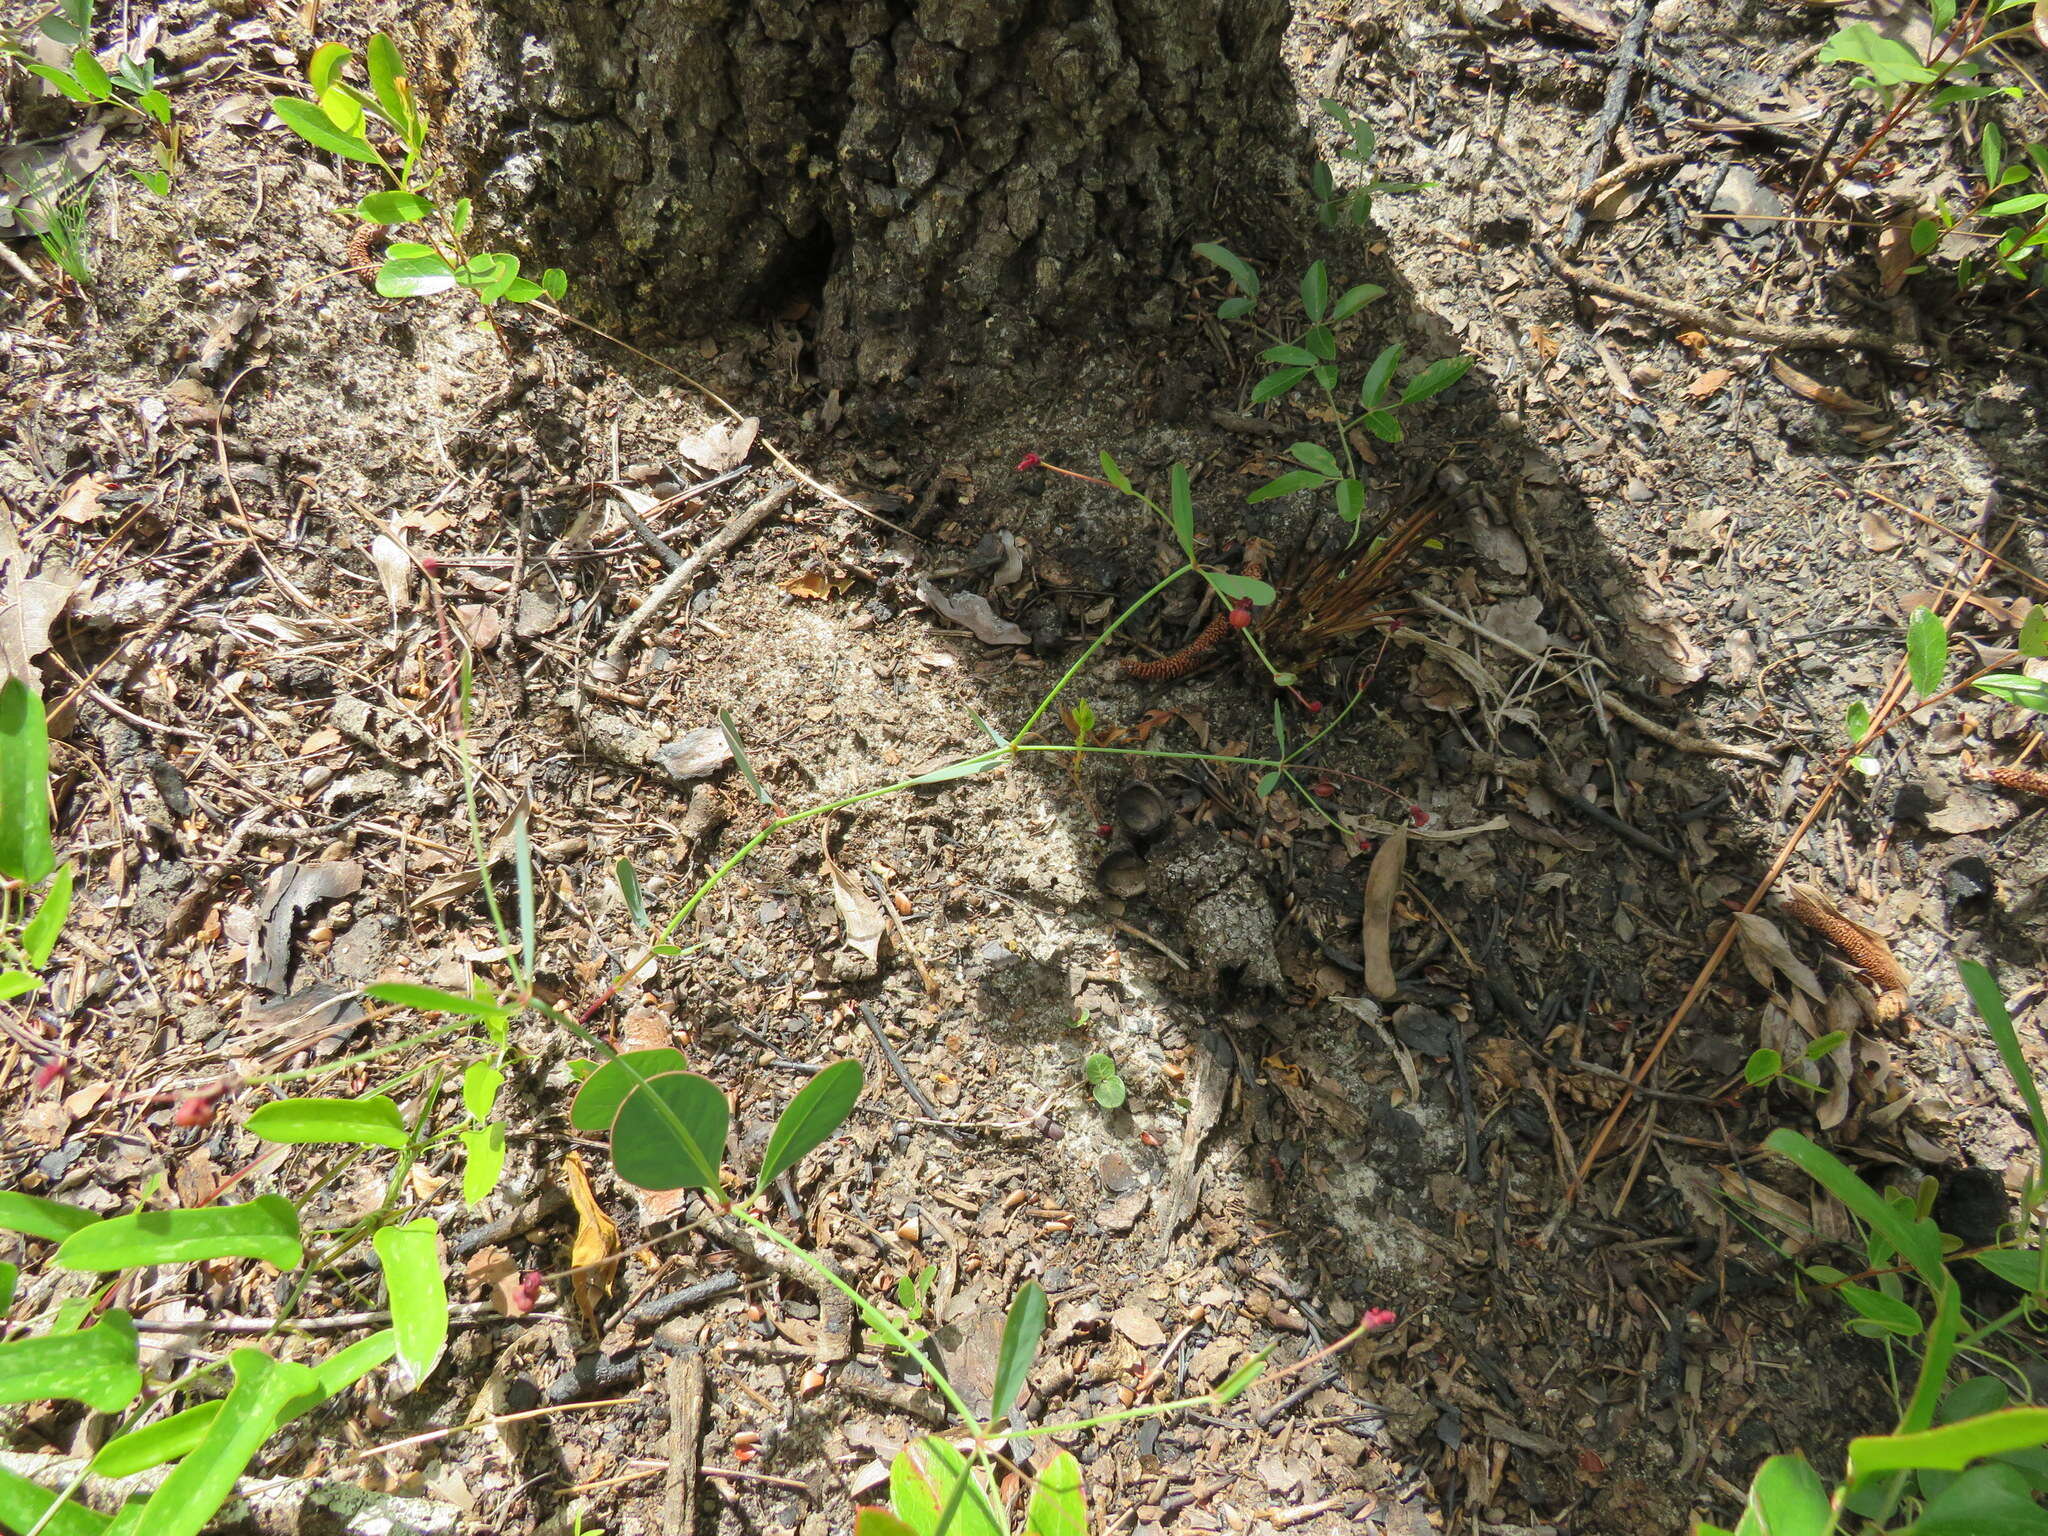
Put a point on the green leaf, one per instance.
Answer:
(1059, 1506)
(1234, 308)
(1856, 722)
(1989, 1002)
(554, 282)
(414, 277)
(1114, 474)
(1277, 383)
(38, 1217)
(10, 1275)
(1435, 379)
(411, 1256)
(1887, 1312)
(1229, 584)
(1110, 1093)
(1181, 509)
(25, 852)
(1352, 300)
(188, 1499)
(868, 1520)
(1926, 650)
(1351, 499)
(27, 1506)
(2015, 1266)
(1100, 1067)
(158, 182)
(2027, 202)
(1022, 1331)
(394, 207)
(1889, 62)
(1325, 375)
(1287, 352)
(1268, 782)
(523, 290)
(1788, 1499)
(1381, 426)
(1287, 484)
(17, 984)
(89, 73)
(1952, 1446)
(266, 1228)
(1315, 292)
(597, 1102)
(1320, 343)
(1832, 1041)
(1926, 236)
(966, 768)
(1967, 1399)
(154, 1444)
(95, 1366)
(325, 67)
(1242, 1378)
(404, 994)
(483, 1161)
(1373, 388)
(1917, 1241)
(1763, 1065)
(631, 894)
(928, 1478)
(366, 1122)
(740, 760)
(812, 1118)
(1991, 1500)
(2016, 688)
(345, 1367)
(481, 1081)
(671, 1134)
(39, 933)
(1991, 152)
(387, 79)
(1317, 458)
(314, 126)
(1240, 272)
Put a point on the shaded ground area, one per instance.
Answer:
(286, 513)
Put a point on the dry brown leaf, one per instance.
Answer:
(1766, 955)
(721, 446)
(1879, 536)
(816, 586)
(81, 500)
(1825, 395)
(862, 920)
(1709, 384)
(29, 604)
(1382, 884)
(1895, 255)
(597, 1243)
(394, 570)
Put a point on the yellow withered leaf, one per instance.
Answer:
(597, 1243)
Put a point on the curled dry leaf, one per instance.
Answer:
(1825, 395)
(1664, 645)
(394, 570)
(1879, 536)
(597, 1243)
(1767, 956)
(1709, 384)
(1871, 956)
(971, 612)
(1382, 884)
(722, 445)
(862, 920)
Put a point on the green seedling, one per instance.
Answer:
(349, 121)
(130, 85)
(1337, 207)
(1101, 1076)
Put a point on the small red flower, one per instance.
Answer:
(1104, 829)
(1313, 706)
(1029, 461)
(51, 1071)
(1380, 1317)
(521, 1299)
(1365, 845)
(1419, 816)
(194, 1111)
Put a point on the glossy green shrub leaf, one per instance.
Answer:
(1268, 782)
(597, 1102)
(1435, 379)
(1315, 291)
(9, 1275)
(394, 207)
(90, 73)
(671, 1134)
(1287, 352)
(41, 1218)
(2015, 1266)
(2016, 688)
(26, 1506)
(483, 1162)
(481, 1081)
(1763, 1066)
(1233, 586)
(367, 1122)
(414, 277)
(1373, 388)
(1382, 426)
(1318, 458)
(1240, 271)
(386, 69)
(812, 1118)
(326, 65)
(1952, 1446)
(95, 1366)
(1989, 1002)
(1926, 650)
(2034, 632)
(188, 1499)
(1277, 383)
(1786, 1499)
(1321, 343)
(1351, 499)
(1059, 1506)
(404, 994)
(411, 1256)
(313, 125)
(869, 1520)
(928, 1478)
(1988, 1500)
(1286, 485)
(1181, 508)
(554, 282)
(17, 984)
(1022, 1331)
(1352, 300)
(25, 852)
(39, 933)
(154, 1444)
(1887, 1313)
(1234, 308)
(266, 1228)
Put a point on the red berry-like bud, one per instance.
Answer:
(196, 1110)
(1104, 829)
(521, 1299)
(1029, 461)
(1379, 1317)
(1323, 788)
(429, 565)
(1241, 615)
(1418, 815)
(1365, 845)
(51, 1071)
(1313, 706)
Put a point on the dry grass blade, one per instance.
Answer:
(1340, 598)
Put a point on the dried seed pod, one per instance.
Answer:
(1142, 811)
(1871, 956)
(1122, 874)
(2031, 781)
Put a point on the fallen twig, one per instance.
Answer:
(1628, 53)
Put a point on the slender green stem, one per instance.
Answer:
(1095, 645)
(342, 1063)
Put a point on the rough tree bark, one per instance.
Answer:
(949, 179)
